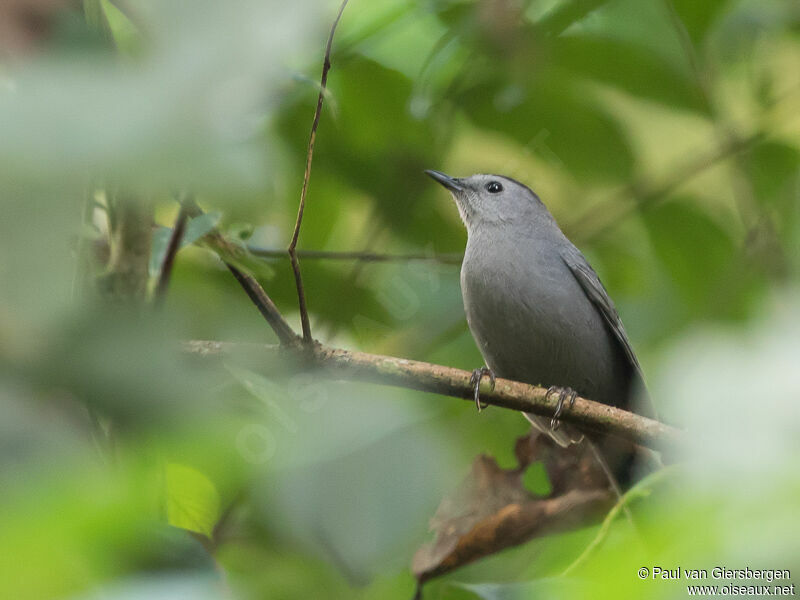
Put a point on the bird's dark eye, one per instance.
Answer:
(494, 187)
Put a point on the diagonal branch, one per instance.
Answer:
(167, 263)
(346, 365)
(265, 305)
(301, 296)
(228, 251)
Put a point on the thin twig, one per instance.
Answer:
(453, 258)
(169, 256)
(301, 296)
(345, 365)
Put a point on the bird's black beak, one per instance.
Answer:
(451, 183)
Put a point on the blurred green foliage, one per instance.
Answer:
(128, 470)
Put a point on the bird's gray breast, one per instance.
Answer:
(533, 322)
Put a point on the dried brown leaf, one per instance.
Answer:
(491, 510)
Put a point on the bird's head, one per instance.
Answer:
(491, 199)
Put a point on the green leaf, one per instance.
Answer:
(565, 14)
(555, 120)
(698, 16)
(240, 231)
(196, 228)
(552, 588)
(773, 168)
(192, 500)
(125, 33)
(84, 115)
(635, 69)
(200, 226)
(696, 253)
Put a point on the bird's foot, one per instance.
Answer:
(475, 382)
(564, 394)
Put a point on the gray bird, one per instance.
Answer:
(535, 307)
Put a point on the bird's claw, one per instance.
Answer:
(563, 395)
(475, 382)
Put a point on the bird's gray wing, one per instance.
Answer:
(595, 291)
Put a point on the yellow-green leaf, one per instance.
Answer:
(192, 500)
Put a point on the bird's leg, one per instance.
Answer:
(475, 382)
(563, 394)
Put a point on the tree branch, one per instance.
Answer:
(346, 365)
(301, 296)
(130, 238)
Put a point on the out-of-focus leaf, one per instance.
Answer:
(32, 432)
(88, 526)
(201, 586)
(347, 477)
(94, 13)
(634, 69)
(698, 17)
(123, 367)
(774, 170)
(543, 588)
(556, 121)
(37, 277)
(377, 30)
(192, 500)
(200, 226)
(645, 24)
(183, 118)
(565, 13)
(264, 570)
(737, 32)
(126, 36)
(697, 253)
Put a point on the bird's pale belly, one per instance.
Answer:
(545, 339)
